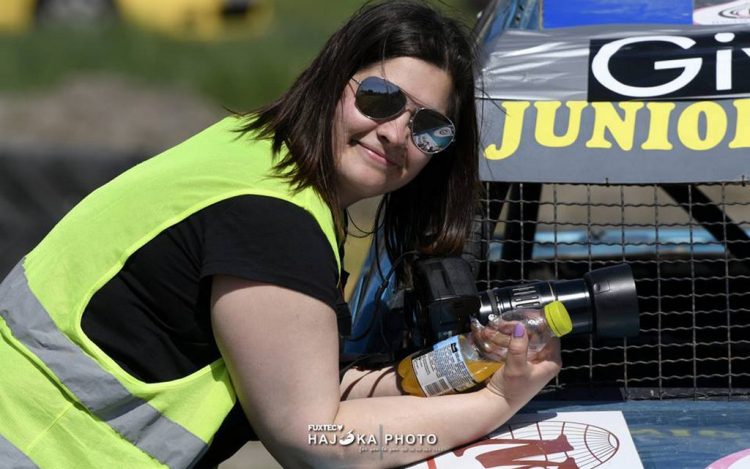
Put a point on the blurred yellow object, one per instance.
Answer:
(200, 19)
(183, 19)
(17, 15)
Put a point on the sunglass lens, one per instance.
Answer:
(431, 131)
(379, 99)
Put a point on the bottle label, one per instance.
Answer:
(442, 370)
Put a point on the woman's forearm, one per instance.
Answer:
(394, 431)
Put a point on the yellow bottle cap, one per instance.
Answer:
(558, 318)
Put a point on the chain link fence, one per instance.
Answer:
(689, 248)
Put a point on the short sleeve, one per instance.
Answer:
(270, 240)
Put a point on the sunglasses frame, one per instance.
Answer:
(413, 116)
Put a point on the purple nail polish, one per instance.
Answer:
(518, 330)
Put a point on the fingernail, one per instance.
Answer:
(518, 330)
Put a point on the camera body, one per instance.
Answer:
(444, 298)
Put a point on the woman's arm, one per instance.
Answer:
(359, 383)
(281, 348)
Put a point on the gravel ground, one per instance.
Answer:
(104, 112)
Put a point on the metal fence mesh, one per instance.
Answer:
(689, 249)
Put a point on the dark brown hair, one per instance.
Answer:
(433, 213)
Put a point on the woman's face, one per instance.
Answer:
(373, 157)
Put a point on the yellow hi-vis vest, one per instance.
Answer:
(63, 402)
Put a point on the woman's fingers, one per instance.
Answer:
(516, 360)
(492, 342)
(520, 379)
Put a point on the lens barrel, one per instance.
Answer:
(604, 302)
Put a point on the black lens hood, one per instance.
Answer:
(615, 302)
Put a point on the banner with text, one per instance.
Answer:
(614, 105)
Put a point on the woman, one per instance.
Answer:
(187, 306)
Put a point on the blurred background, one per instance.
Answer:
(89, 88)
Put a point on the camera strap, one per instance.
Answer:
(344, 319)
(372, 361)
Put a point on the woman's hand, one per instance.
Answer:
(520, 379)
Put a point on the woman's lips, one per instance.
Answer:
(378, 156)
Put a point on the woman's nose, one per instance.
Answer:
(395, 130)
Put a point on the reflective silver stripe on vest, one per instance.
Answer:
(12, 457)
(131, 416)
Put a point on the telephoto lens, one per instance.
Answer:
(603, 303)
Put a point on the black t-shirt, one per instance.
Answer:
(153, 317)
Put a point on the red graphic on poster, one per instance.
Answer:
(548, 445)
(520, 451)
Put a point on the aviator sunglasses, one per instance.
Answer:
(379, 99)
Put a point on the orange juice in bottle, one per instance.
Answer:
(461, 362)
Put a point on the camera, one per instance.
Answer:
(444, 298)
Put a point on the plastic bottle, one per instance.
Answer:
(463, 361)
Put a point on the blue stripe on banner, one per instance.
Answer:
(102, 394)
(559, 14)
(12, 457)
